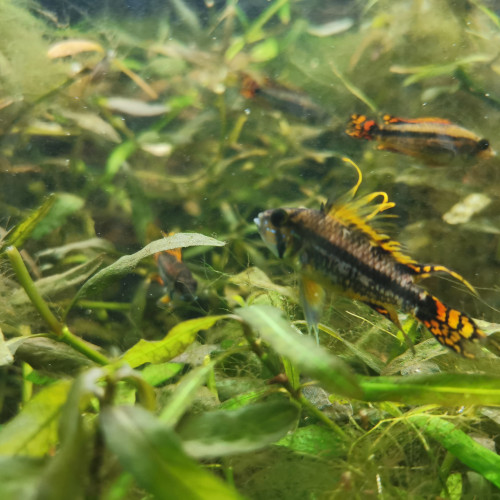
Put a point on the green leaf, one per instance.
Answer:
(127, 263)
(182, 397)
(222, 432)
(6, 357)
(158, 374)
(441, 388)
(176, 341)
(33, 431)
(23, 230)
(59, 284)
(118, 157)
(151, 452)
(463, 447)
(314, 440)
(19, 477)
(64, 205)
(48, 355)
(312, 360)
(434, 70)
(265, 51)
(65, 475)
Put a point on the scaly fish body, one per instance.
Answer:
(434, 140)
(336, 249)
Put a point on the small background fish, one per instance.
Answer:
(435, 140)
(175, 276)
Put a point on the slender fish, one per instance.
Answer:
(434, 140)
(175, 276)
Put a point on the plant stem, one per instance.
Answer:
(79, 345)
(27, 283)
(295, 394)
(60, 330)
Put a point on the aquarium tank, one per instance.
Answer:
(249, 249)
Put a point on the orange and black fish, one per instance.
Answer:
(289, 100)
(434, 140)
(175, 275)
(336, 248)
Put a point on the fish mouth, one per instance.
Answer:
(257, 220)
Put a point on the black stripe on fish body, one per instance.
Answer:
(356, 265)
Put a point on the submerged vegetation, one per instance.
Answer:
(191, 118)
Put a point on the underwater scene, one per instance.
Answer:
(250, 249)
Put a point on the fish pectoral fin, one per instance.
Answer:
(392, 315)
(312, 298)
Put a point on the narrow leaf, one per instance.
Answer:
(182, 398)
(441, 388)
(151, 452)
(33, 431)
(176, 341)
(127, 263)
(314, 440)
(6, 357)
(65, 204)
(23, 230)
(468, 451)
(301, 350)
(218, 433)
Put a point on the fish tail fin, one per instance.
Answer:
(312, 298)
(451, 328)
(360, 127)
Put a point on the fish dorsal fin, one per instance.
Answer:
(356, 212)
(426, 270)
(388, 119)
(176, 252)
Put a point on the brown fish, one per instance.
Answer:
(336, 249)
(434, 140)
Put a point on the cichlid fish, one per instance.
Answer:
(434, 140)
(335, 248)
(175, 275)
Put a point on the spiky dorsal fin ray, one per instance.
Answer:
(356, 212)
(426, 270)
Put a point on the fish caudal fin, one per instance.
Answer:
(451, 328)
(312, 298)
(360, 127)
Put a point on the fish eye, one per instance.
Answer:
(483, 144)
(278, 217)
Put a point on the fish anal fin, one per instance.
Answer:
(391, 314)
(312, 298)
